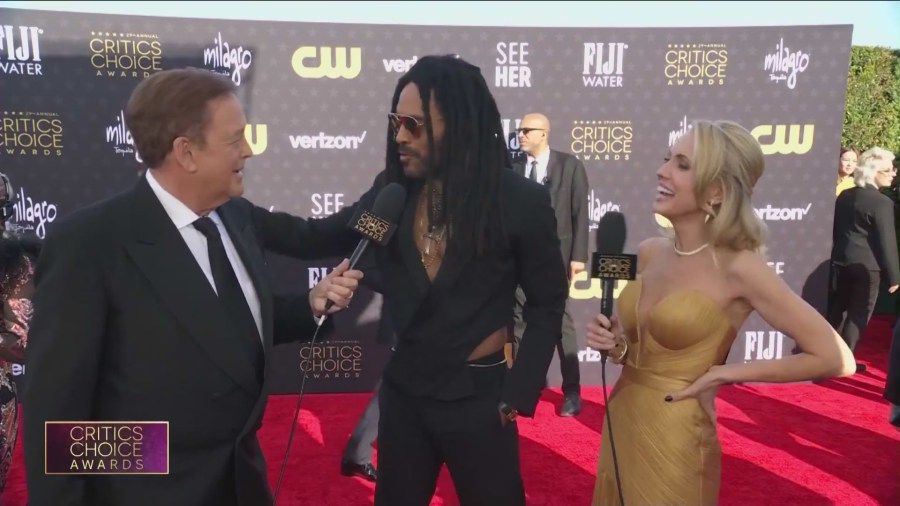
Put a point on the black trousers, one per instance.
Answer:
(358, 449)
(567, 348)
(416, 436)
(852, 289)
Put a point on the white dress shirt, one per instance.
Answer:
(543, 160)
(183, 218)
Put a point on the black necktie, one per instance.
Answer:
(533, 175)
(230, 293)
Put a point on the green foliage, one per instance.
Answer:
(872, 112)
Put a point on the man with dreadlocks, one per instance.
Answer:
(472, 230)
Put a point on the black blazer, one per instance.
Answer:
(568, 185)
(439, 324)
(864, 232)
(127, 327)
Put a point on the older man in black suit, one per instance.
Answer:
(566, 179)
(153, 306)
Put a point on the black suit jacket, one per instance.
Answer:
(127, 327)
(864, 232)
(568, 186)
(438, 324)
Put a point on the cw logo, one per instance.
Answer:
(344, 62)
(785, 141)
(594, 288)
(258, 140)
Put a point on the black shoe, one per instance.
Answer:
(860, 367)
(571, 405)
(366, 471)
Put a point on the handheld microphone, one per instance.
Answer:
(377, 225)
(609, 264)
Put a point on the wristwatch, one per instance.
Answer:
(508, 411)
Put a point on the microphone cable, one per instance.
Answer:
(612, 443)
(296, 414)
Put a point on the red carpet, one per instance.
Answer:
(783, 444)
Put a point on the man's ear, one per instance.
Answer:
(182, 152)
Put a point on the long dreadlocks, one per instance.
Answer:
(468, 162)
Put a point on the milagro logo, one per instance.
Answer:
(597, 208)
(770, 213)
(684, 126)
(602, 64)
(784, 64)
(334, 63)
(227, 59)
(785, 139)
(763, 345)
(323, 141)
(33, 215)
(119, 136)
(20, 50)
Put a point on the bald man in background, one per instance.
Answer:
(566, 180)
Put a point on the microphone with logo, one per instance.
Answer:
(378, 226)
(610, 264)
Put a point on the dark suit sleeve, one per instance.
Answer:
(294, 320)
(312, 239)
(542, 277)
(65, 345)
(580, 216)
(887, 240)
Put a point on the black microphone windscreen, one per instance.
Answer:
(390, 202)
(611, 233)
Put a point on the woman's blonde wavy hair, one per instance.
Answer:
(728, 156)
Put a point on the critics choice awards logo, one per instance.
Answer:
(29, 133)
(106, 447)
(336, 360)
(606, 140)
(115, 54)
(20, 50)
(696, 64)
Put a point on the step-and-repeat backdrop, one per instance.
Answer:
(316, 97)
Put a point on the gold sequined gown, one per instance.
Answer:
(668, 452)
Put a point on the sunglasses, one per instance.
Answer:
(412, 125)
(526, 131)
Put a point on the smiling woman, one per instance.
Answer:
(677, 321)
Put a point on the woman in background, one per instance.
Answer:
(864, 247)
(17, 258)
(677, 321)
(846, 166)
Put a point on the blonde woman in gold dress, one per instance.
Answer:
(678, 319)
